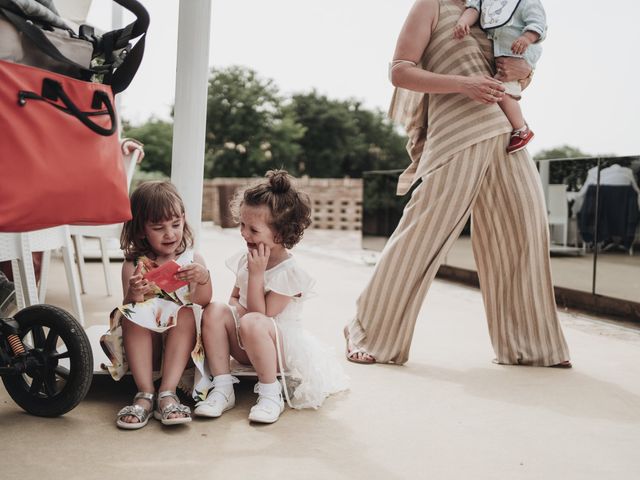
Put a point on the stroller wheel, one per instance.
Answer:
(59, 359)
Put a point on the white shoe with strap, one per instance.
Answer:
(269, 405)
(220, 399)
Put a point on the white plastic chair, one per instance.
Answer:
(104, 233)
(18, 247)
(558, 209)
(13, 248)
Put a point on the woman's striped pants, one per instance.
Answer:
(510, 239)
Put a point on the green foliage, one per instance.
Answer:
(157, 137)
(341, 138)
(565, 151)
(385, 148)
(144, 176)
(247, 130)
(251, 128)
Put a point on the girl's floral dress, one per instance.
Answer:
(159, 313)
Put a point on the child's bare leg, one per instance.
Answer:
(511, 108)
(138, 346)
(178, 346)
(521, 134)
(220, 339)
(258, 337)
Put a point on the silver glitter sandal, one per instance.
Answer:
(163, 414)
(138, 411)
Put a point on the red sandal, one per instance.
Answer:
(519, 139)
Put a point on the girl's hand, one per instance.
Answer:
(129, 146)
(483, 89)
(520, 45)
(258, 258)
(194, 272)
(138, 286)
(461, 30)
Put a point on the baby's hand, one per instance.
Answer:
(520, 45)
(461, 30)
(258, 258)
(193, 272)
(523, 41)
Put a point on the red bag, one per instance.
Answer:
(60, 157)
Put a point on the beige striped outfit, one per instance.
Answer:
(458, 148)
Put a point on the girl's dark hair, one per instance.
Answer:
(154, 202)
(290, 209)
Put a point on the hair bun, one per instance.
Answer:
(279, 181)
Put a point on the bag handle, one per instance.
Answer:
(117, 39)
(120, 80)
(53, 91)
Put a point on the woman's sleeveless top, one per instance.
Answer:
(440, 125)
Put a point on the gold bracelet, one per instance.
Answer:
(207, 280)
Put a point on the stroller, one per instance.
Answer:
(46, 361)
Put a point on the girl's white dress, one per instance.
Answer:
(312, 370)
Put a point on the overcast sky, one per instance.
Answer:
(585, 91)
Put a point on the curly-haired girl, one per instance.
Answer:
(260, 326)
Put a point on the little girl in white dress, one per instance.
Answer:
(262, 323)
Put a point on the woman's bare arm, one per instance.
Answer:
(414, 38)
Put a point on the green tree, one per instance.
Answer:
(341, 138)
(157, 136)
(247, 130)
(384, 148)
(564, 151)
(250, 129)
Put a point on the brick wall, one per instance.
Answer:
(337, 203)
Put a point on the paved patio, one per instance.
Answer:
(447, 414)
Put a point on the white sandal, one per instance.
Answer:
(163, 414)
(138, 411)
(352, 352)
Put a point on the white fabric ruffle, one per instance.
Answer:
(291, 282)
(313, 371)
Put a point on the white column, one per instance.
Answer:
(190, 111)
(117, 21)
(544, 179)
